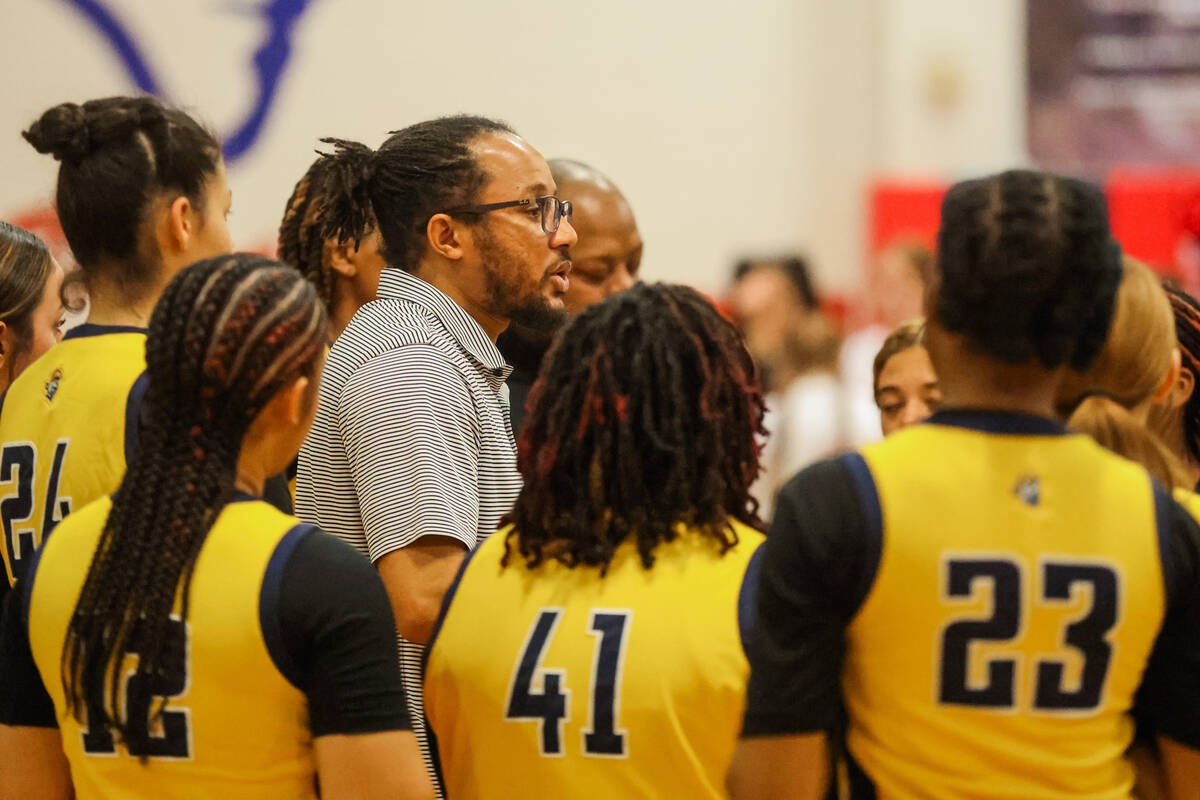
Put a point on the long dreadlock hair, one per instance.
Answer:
(644, 418)
(226, 336)
(1187, 331)
(330, 201)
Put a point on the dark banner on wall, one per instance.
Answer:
(1114, 83)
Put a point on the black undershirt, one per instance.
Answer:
(526, 359)
(337, 644)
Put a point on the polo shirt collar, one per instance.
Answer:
(398, 284)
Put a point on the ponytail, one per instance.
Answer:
(1115, 428)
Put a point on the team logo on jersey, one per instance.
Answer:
(1028, 489)
(52, 384)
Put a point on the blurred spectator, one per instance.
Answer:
(906, 387)
(894, 295)
(774, 303)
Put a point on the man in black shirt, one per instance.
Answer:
(606, 258)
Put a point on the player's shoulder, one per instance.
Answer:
(1189, 500)
(247, 510)
(76, 534)
(748, 538)
(819, 478)
(90, 517)
(89, 365)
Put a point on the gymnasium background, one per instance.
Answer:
(735, 129)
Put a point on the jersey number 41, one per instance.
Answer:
(540, 694)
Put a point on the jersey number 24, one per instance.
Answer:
(18, 464)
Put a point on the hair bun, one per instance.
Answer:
(62, 132)
(71, 132)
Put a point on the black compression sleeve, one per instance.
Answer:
(1169, 700)
(817, 567)
(339, 639)
(23, 698)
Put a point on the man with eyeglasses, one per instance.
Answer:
(411, 457)
(607, 259)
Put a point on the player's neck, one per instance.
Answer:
(1015, 389)
(109, 304)
(251, 481)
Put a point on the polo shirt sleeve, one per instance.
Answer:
(412, 436)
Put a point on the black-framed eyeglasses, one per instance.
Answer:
(552, 210)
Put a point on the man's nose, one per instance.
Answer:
(565, 236)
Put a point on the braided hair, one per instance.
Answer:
(1027, 268)
(227, 335)
(330, 200)
(644, 419)
(1187, 331)
(118, 155)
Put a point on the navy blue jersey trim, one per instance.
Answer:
(3, 395)
(868, 496)
(861, 786)
(1009, 423)
(133, 415)
(27, 585)
(269, 604)
(88, 329)
(446, 599)
(748, 597)
(1163, 505)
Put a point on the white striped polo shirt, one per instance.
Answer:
(412, 436)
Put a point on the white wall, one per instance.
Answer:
(732, 127)
(951, 85)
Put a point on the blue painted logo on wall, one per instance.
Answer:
(269, 63)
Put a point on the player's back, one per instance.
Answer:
(233, 725)
(66, 428)
(1016, 596)
(558, 682)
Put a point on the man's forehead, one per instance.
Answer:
(512, 164)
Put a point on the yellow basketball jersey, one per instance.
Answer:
(560, 683)
(65, 425)
(233, 727)
(1017, 597)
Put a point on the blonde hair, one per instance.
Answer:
(1135, 359)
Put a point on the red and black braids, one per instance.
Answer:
(1187, 331)
(645, 417)
(227, 335)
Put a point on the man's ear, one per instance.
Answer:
(6, 343)
(445, 236)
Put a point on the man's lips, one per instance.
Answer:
(558, 276)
